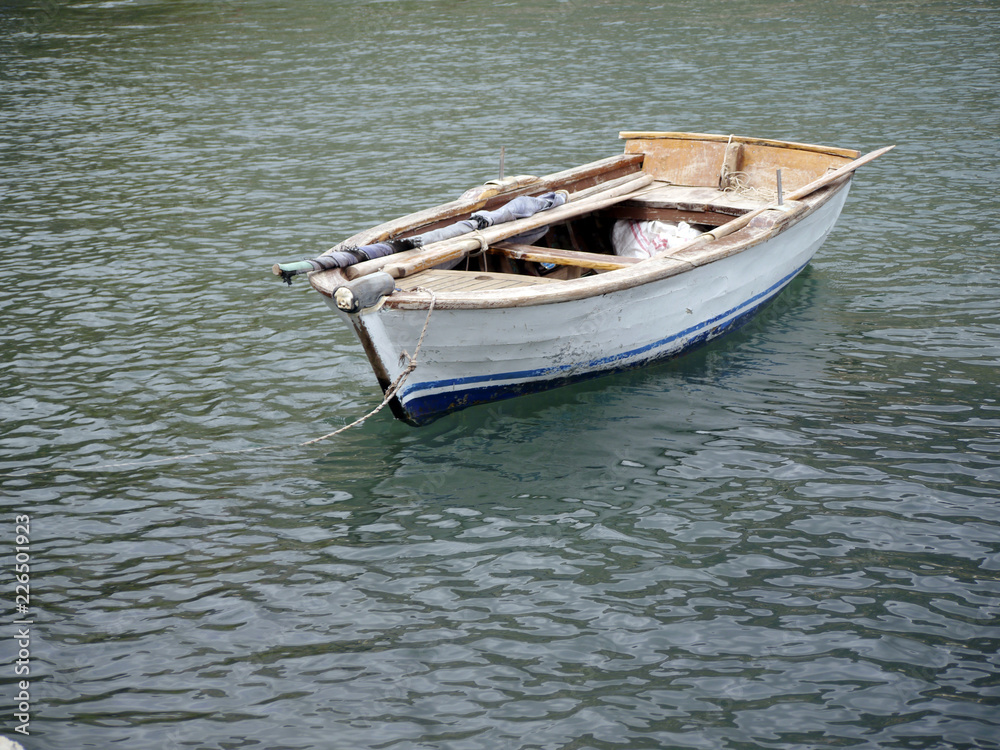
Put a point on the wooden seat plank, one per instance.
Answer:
(562, 257)
(700, 205)
(664, 195)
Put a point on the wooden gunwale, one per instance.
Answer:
(629, 135)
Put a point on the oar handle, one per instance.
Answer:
(287, 270)
(299, 266)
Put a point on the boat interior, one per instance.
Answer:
(583, 245)
(701, 180)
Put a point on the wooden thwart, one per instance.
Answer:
(697, 205)
(562, 257)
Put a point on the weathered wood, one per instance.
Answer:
(500, 186)
(445, 213)
(449, 250)
(584, 179)
(730, 165)
(684, 162)
(537, 254)
(696, 160)
(792, 200)
(411, 261)
(765, 222)
(604, 186)
(699, 199)
(644, 213)
(698, 205)
(629, 135)
(443, 281)
(578, 188)
(707, 248)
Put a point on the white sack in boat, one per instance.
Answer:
(643, 239)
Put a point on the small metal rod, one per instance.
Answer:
(781, 197)
(501, 162)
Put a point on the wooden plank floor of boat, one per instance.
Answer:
(467, 281)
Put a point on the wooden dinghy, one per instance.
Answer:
(490, 316)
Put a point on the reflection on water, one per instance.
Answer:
(787, 539)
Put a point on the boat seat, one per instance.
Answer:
(562, 257)
(699, 205)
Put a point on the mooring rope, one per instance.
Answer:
(390, 392)
(737, 183)
(396, 384)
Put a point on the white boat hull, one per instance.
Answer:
(471, 356)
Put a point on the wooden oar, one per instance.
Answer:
(836, 174)
(627, 184)
(476, 199)
(453, 249)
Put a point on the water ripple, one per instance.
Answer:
(788, 539)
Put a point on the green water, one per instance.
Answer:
(788, 539)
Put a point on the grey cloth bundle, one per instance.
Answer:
(519, 208)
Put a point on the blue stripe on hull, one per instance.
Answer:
(420, 410)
